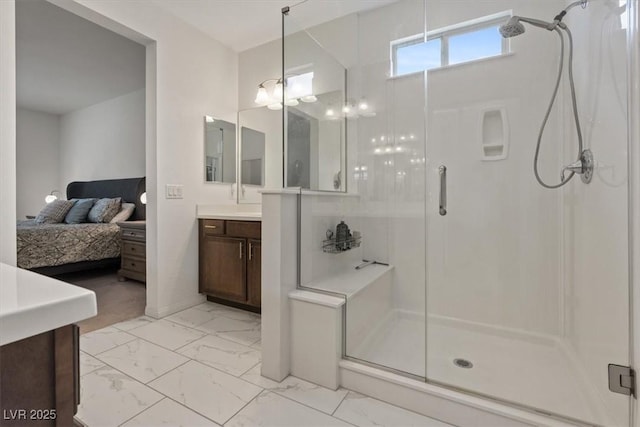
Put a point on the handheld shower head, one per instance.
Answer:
(513, 27)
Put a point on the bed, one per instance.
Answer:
(54, 249)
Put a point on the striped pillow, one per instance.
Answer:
(54, 212)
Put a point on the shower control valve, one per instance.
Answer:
(583, 167)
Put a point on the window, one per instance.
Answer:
(465, 42)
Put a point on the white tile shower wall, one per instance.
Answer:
(321, 213)
(495, 257)
(597, 285)
(522, 288)
(390, 151)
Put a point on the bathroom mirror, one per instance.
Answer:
(316, 143)
(260, 135)
(219, 151)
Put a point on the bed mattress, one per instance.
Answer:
(45, 245)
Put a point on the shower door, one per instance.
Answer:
(527, 288)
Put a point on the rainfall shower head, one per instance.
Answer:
(513, 27)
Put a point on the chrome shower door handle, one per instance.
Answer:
(442, 171)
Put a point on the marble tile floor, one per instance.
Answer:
(201, 367)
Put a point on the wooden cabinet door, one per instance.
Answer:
(254, 272)
(223, 269)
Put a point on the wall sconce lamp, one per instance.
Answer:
(51, 196)
(143, 198)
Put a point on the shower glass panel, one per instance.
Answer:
(314, 95)
(472, 275)
(385, 201)
(527, 288)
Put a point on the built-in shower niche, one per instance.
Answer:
(494, 131)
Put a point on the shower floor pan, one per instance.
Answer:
(534, 371)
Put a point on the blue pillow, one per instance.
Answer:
(78, 213)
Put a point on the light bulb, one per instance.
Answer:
(330, 112)
(261, 96)
(363, 106)
(346, 109)
(277, 90)
(50, 198)
(276, 106)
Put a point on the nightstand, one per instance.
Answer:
(133, 251)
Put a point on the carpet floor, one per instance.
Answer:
(117, 301)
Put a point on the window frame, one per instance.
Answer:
(445, 33)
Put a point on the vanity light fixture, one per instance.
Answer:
(51, 197)
(277, 89)
(261, 96)
(300, 90)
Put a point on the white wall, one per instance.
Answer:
(596, 215)
(37, 164)
(7, 132)
(194, 75)
(103, 141)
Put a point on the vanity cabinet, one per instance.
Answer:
(230, 261)
(40, 379)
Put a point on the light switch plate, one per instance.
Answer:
(174, 191)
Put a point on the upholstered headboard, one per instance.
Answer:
(130, 189)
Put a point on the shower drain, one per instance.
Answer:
(463, 363)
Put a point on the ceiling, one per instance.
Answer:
(243, 24)
(64, 62)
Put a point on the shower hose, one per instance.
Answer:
(551, 102)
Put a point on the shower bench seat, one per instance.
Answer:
(319, 311)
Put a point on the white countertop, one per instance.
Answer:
(31, 304)
(232, 212)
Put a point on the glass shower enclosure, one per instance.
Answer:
(421, 138)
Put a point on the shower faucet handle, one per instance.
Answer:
(575, 167)
(583, 166)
